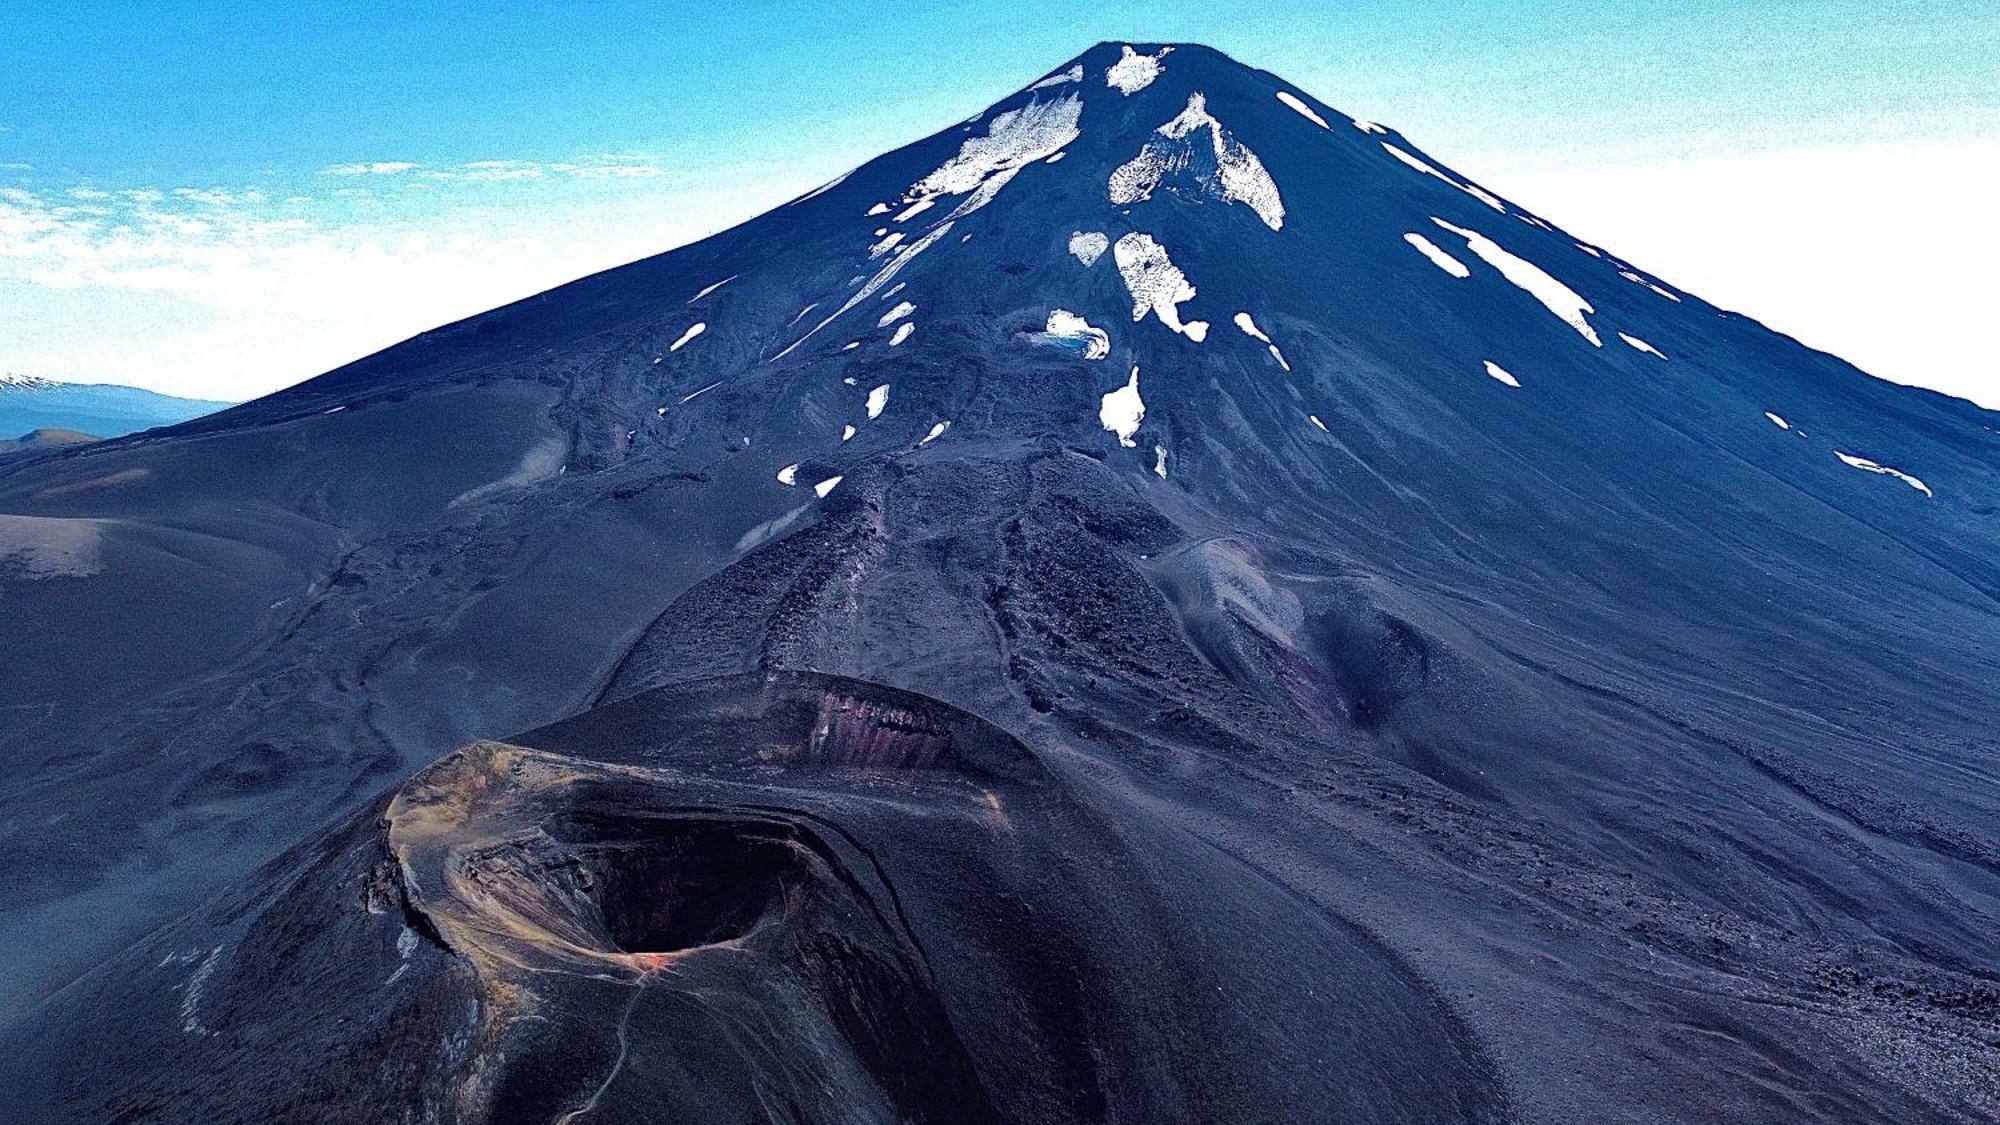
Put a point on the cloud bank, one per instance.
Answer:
(234, 291)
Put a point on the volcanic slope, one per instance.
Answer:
(1419, 621)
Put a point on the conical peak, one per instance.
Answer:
(1143, 120)
(1183, 105)
(1145, 72)
(1142, 226)
(1143, 145)
(1148, 55)
(1149, 223)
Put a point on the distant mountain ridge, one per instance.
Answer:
(42, 440)
(31, 402)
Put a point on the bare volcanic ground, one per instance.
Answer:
(775, 895)
(1177, 897)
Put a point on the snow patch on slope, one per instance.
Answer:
(1640, 345)
(1532, 279)
(1155, 283)
(824, 188)
(695, 330)
(881, 278)
(1637, 280)
(1493, 201)
(1073, 74)
(901, 310)
(1088, 245)
(1866, 465)
(1239, 175)
(1133, 71)
(1248, 324)
(713, 288)
(1012, 141)
(983, 165)
(1412, 161)
(1067, 329)
(1468, 187)
(1501, 373)
(1439, 258)
(1302, 108)
(877, 400)
(1122, 410)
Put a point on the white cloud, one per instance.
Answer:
(232, 292)
(1875, 252)
(605, 166)
(490, 171)
(608, 171)
(371, 168)
(222, 197)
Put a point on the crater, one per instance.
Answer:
(692, 885)
(680, 819)
(605, 886)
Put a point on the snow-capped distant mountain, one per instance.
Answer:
(29, 402)
(1161, 601)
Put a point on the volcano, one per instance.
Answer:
(1162, 601)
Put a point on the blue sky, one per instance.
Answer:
(221, 198)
